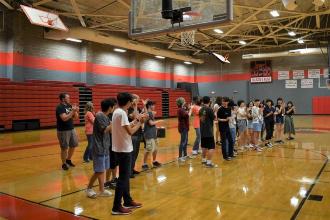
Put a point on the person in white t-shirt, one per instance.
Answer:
(217, 105)
(122, 146)
(257, 123)
(242, 124)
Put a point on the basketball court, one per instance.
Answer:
(162, 51)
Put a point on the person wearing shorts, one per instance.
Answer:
(242, 124)
(66, 134)
(101, 142)
(207, 117)
(257, 123)
(150, 136)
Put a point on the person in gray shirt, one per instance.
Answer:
(101, 142)
(150, 136)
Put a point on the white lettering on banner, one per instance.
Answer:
(314, 73)
(307, 83)
(261, 79)
(283, 75)
(291, 84)
(298, 74)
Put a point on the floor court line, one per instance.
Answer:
(301, 204)
(30, 205)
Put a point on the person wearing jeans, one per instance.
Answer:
(194, 111)
(183, 126)
(89, 122)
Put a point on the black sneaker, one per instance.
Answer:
(145, 167)
(204, 162)
(156, 164)
(132, 176)
(65, 167)
(228, 158)
(107, 185)
(69, 162)
(281, 142)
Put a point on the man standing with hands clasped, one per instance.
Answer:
(66, 134)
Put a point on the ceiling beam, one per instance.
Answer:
(268, 9)
(241, 22)
(271, 33)
(122, 2)
(5, 3)
(41, 2)
(108, 23)
(77, 11)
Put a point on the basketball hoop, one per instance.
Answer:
(188, 38)
(47, 20)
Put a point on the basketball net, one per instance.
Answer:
(48, 20)
(188, 38)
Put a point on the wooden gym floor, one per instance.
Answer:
(268, 185)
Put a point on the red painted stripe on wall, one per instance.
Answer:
(81, 67)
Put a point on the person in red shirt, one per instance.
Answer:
(194, 111)
(183, 120)
(89, 123)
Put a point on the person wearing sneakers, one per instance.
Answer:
(269, 111)
(227, 145)
(289, 128)
(279, 120)
(250, 125)
(66, 134)
(194, 111)
(183, 127)
(207, 117)
(242, 124)
(257, 124)
(122, 145)
(101, 142)
(89, 122)
(150, 136)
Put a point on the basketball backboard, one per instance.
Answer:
(146, 18)
(44, 18)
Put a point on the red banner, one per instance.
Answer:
(261, 71)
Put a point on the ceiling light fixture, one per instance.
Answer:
(274, 13)
(187, 62)
(218, 31)
(301, 41)
(160, 57)
(73, 40)
(292, 33)
(119, 50)
(242, 42)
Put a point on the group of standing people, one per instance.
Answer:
(234, 122)
(113, 136)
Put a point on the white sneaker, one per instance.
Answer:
(271, 145)
(200, 151)
(194, 152)
(105, 193)
(250, 146)
(91, 193)
(182, 159)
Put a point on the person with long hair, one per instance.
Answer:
(242, 124)
(194, 111)
(183, 127)
(257, 124)
(217, 105)
(89, 122)
(289, 128)
(249, 125)
(279, 120)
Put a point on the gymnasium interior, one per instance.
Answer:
(95, 49)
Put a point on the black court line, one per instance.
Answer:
(77, 191)
(301, 204)
(63, 210)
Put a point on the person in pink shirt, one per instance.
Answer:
(194, 111)
(89, 123)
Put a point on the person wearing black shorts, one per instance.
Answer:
(279, 120)
(207, 117)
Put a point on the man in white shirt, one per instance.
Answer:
(122, 146)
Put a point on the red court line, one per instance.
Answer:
(14, 208)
